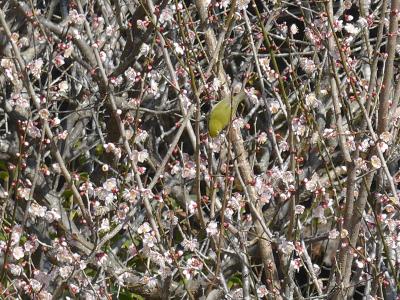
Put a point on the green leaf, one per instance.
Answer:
(99, 150)
(126, 295)
(126, 244)
(3, 165)
(4, 175)
(84, 176)
(67, 194)
(235, 280)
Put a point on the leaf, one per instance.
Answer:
(4, 175)
(234, 281)
(3, 165)
(84, 176)
(126, 295)
(126, 244)
(67, 194)
(99, 150)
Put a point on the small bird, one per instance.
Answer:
(223, 112)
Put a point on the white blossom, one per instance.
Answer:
(18, 253)
(15, 270)
(212, 228)
(351, 29)
(131, 74)
(66, 271)
(35, 285)
(242, 4)
(299, 209)
(105, 225)
(294, 29)
(312, 101)
(37, 210)
(44, 114)
(144, 228)
(76, 17)
(375, 162)
(36, 67)
(166, 15)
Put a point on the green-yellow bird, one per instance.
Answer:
(223, 112)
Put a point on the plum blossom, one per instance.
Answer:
(23, 192)
(149, 240)
(144, 50)
(333, 234)
(110, 30)
(180, 50)
(105, 225)
(344, 233)
(144, 228)
(286, 247)
(360, 264)
(19, 101)
(16, 270)
(364, 145)
(166, 15)
(76, 17)
(36, 210)
(274, 106)
(386, 137)
(18, 253)
(312, 184)
(98, 24)
(35, 285)
(44, 295)
(216, 84)
(36, 67)
(212, 228)
(298, 125)
(307, 65)
(190, 245)
(351, 29)
(102, 259)
(68, 50)
(189, 170)
(143, 156)
(294, 29)
(141, 136)
(252, 95)
(299, 209)
(224, 3)
(131, 74)
(66, 271)
(74, 289)
(192, 207)
(238, 123)
(296, 264)
(242, 4)
(375, 162)
(382, 146)
(312, 101)
(8, 66)
(44, 114)
(110, 184)
(193, 266)
(59, 60)
(130, 195)
(142, 24)
(52, 215)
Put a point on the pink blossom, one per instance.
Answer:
(59, 60)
